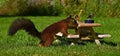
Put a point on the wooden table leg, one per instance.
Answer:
(92, 32)
(94, 36)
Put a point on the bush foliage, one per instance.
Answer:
(109, 8)
(30, 7)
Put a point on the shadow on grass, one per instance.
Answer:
(108, 43)
(68, 43)
(82, 43)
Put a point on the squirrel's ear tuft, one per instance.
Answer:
(75, 16)
(69, 16)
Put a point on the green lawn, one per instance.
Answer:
(22, 44)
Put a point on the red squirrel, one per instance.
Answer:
(47, 35)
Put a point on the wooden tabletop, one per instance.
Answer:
(88, 24)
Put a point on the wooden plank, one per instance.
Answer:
(86, 38)
(88, 24)
(72, 36)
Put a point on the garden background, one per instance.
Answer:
(105, 8)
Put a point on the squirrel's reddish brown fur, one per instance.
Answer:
(47, 35)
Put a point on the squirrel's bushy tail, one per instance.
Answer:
(24, 24)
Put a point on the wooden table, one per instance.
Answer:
(86, 27)
(89, 27)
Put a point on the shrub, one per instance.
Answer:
(107, 8)
(9, 8)
(30, 7)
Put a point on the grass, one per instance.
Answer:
(22, 44)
